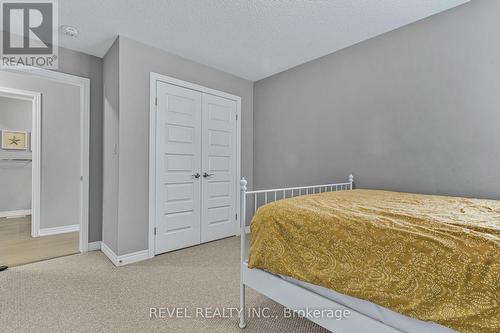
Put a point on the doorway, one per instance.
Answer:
(20, 176)
(20, 155)
(49, 156)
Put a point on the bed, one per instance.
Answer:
(396, 262)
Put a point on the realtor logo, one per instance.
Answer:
(29, 33)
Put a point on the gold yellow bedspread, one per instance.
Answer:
(433, 258)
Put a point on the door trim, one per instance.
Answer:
(153, 79)
(84, 86)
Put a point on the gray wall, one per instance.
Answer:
(84, 65)
(15, 176)
(136, 61)
(60, 145)
(110, 144)
(416, 109)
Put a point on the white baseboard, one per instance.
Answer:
(15, 213)
(247, 231)
(94, 246)
(59, 230)
(109, 253)
(125, 259)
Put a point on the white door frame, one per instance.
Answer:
(153, 79)
(36, 107)
(84, 86)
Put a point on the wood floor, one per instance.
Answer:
(17, 247)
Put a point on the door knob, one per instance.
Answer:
(197, 175)
(206, 175)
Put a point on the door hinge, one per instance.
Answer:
(236, 117)
(156, 101)
(236, 216)
(81, 178)
(155, 231)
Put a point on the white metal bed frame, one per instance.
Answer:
(290, 295)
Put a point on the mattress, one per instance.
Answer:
(432, 258)
(374, 311)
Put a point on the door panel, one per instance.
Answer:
(178, 149)
(219, 161)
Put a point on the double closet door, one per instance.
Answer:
(196, 150)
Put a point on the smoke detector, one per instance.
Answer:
(69, 31)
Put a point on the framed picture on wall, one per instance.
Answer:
(15, 140)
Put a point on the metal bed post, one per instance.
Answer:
(351, 181)
(243, 194)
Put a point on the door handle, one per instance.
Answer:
(206, 175)
(197, 175)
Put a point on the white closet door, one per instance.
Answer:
(178, 160)
(219, 168)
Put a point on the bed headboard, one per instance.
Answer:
(262, 197)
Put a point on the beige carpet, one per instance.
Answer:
(86, 293)
(17, 247)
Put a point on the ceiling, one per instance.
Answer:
(252, 39)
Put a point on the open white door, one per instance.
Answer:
(178, 161)
(218, 167)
